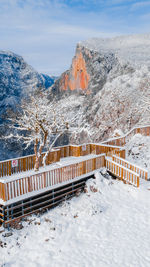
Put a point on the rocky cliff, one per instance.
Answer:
(90, 70)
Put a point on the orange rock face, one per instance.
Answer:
(78, 78)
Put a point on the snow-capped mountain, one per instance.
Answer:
(17, 80)
(106, 85)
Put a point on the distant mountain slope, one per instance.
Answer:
(48, 80)
(17, 80)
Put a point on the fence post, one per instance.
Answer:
(94, 164)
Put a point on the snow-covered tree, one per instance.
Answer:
(41, 123)
(145, 88)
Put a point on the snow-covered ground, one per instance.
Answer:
(109, 227)
(138, 150)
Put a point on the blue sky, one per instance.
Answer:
(45, 32)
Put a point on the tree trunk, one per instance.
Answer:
(36, 166)
(50, 148)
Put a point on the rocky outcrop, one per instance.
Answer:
(89, 71)
(77, 77)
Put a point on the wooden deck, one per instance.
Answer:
(28, 183)
(24, 191)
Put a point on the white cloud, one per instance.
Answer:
(139, 5)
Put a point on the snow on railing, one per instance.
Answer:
(19, 187)
(121, 141)
(109, 150)
(122, 172)
(110, 147)
(19, 165)
(143, 173)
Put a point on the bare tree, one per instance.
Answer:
(39, 121)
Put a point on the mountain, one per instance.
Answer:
(103, 90)
(48, 81)
(106, 86)
(17, 80)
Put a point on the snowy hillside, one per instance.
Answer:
(118, 105)
(132, 48)
(108, 227)
(113, 76)
(17, 80)
(138, 150)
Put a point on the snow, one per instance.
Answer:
(67, 161)
(138, 150)
(109, 227)
(63, 163)
(126, 161)
(131, 48)
(117, 133)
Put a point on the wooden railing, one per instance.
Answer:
(143, 173)
(11, 189)
(110, 147)
(122, 172)
(74, 150)
(26, 163)
(109, 150)
(121, 141)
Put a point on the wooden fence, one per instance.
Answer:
(75, 150)
(26, 163)
(121, 141)
(110, 147)
(11, 189)
(109, 150)
(143, 173)
(122, 172)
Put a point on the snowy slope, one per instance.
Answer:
(132, 48)
(118, 105)
(138, 150)
(110, 227)
(17, 80)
